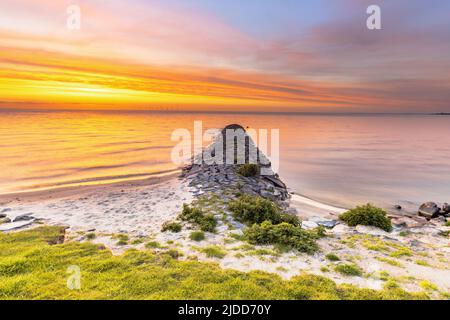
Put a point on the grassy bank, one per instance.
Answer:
(33, 265)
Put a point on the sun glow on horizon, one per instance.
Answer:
(156, 54)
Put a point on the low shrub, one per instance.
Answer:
(173, 253)
(214, 252)
(367, 215)
(255, 209)
(31, 268)
(332, 257)
(122, 243)
(206, 222)
(349, 270)
(248, 170)
(90, 236)
(197, 236)
(283, 234)
(172, 227)
(153, 245)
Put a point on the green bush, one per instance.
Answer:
(153, 245)
(283, 234)
(367, 215)
(248, 170)
(173, 253)
(332, 257)
(214, 252)
(197, 236)
(90, 236)
(206, 222)
(255, 209)
(172, 227)
(349, 270)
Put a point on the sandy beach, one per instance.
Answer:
(138, 209)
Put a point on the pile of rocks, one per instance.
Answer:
(17, 222)
(216, 177)
(431, 210)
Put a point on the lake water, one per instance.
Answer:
(340, 159)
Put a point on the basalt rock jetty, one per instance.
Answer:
(220, 176)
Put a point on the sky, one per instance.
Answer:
(262, 55)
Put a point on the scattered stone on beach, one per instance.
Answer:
(374, 231)
(5, 219)
(446, 208)
(15, 225)
(341, 229)
(308, 225)
(23, 217)
(2, 215)
(398, 207)
(429, 210)
(327, 223)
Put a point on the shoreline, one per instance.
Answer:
(130, 215)
(78, 190)
(302, 202)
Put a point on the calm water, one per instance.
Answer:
(342, 160)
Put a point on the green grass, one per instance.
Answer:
(422, 263)
(197, 236)
(332, 257)
(401, 252)
(90, 236)
(349, 270)
(248, 170)
(196, 216)
(214, 252)
(324, 269)
(390, 261)
(34, 266)
(428, 286)
(153, 245)
(255, 209)
(283, 234)
(174, 227)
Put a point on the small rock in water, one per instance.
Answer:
(429, 210)
(2, 215)
(398, 207)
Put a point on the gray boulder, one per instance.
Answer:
(429, 210)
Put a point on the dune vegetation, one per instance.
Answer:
(34, 264)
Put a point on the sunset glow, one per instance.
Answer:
(200, 55)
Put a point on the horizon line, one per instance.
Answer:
(222, 112)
